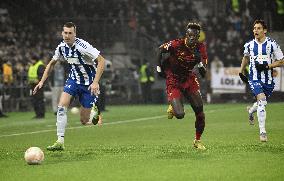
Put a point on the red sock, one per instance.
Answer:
(197, 136)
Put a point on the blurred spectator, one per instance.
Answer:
(35, 73)
(146, 81)
(1, 99)
(57, 84)
(7, 73)
(216, 64)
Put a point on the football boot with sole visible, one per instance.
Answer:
(250, 116)
(56, 147)
(96, 117)
(198, 145)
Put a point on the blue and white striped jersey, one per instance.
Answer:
(81, 59)
(263, 53)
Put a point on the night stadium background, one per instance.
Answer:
(137, 141)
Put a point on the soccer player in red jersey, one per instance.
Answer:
(176, 61)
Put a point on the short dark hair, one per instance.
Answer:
(70, 25)
(260, 21)
(193, 25)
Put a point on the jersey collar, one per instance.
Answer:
(259, 42)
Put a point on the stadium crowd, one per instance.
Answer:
(29, 28)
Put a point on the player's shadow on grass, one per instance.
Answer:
(69, 156)
(254, 147)
(181, 152)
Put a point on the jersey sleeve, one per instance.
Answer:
(57, 54)
(166, 47)
(246, 49)
(89, 51)
(277, 53)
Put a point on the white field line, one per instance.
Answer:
(78, 127)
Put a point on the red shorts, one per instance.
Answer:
(176, 88)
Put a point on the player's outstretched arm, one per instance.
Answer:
(94, 87)
(201, 69)
(262, 67)
(47, 70)
(244, 63)
(200, 56)
(161, 57)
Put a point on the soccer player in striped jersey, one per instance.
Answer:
(262, 54)
(86, 67)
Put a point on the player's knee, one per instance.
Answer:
(262, 103)
(197, 109)
(179, 114)
(61, 110)
(261, 107)
(84, 120)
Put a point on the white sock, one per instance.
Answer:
(253, 109)
(60, 139)
(261, 114)
(61, 123)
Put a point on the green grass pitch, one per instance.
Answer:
(140, 143)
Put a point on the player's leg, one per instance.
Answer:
(90, 113)
(261, 115)
(251, 110)
(261, 91)
(193, 94)
(61, 121)
(70, 90)
(176, 104)
(174, 98)
(196, 103)
(85, 115)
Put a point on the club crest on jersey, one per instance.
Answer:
(167, 45)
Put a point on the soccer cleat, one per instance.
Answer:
(96, 116)
(251, 118)
(56, 147)
(170, 112)
(97, 121)
(263, 137)
(198, 145)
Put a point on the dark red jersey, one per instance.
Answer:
(182, 59)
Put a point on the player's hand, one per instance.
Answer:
(197, 56)
(37, 87)
(94, 88)
(261, 67)
(243, 78)
(201, 69)
(161, 72)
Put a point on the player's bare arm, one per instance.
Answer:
(47, 70)
(163, 54)
(262, 67)
(244, 63)
(94, 87)
(275, 64)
